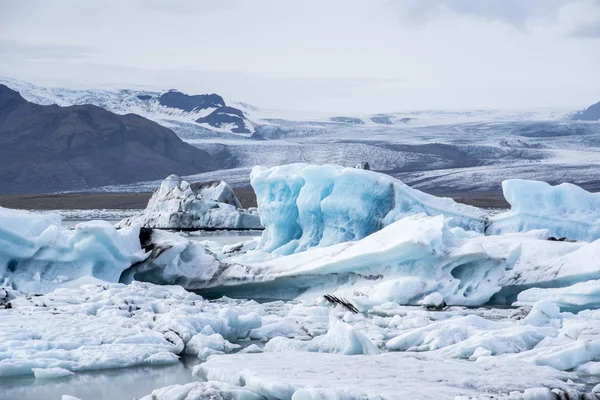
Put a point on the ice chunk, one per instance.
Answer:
(403, 262)
(178, 205)
(50, 373)
(38, 263)
(340, 338)
(113, 326)
(538, 394)
(203, 391)
(463, 337)
(566, 210)
(435, 300)
(218, 191)
(204, 346)
(303, 206)
(551, 264)
(67, 397)
(582, 295)
(174, 259)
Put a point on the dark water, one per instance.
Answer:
(113, 384)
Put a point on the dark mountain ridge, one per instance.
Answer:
(51, 148)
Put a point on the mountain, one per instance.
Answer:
(189, 116)
(53, 148)
(592, 113)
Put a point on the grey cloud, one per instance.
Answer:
(44, 51)
(590, 30)
(517, 13)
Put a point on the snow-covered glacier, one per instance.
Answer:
(303, 206)
(566, 210)
(177, 204)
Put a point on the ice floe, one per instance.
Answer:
(113, 326)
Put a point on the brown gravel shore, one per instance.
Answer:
(127, 201)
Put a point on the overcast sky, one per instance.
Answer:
(327, 55)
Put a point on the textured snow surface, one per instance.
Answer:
(304, 206)
(565, 210)
(310, 348)
(112, 326)
(385, 376)
(176, 205)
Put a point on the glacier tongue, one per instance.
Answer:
(303, 206)
(566, 210)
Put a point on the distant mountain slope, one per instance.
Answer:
(52, 148)
(592, 113)
(190, 116)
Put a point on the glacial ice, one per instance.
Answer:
(340, 338)
(303, 206)
(565, 210)
(113, 326)
(178, 205)
(582, 295)
(406, 375)
(37, 254)
(403, 262)
(174, 260)
(294, 348)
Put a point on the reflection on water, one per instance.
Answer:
(115, 384)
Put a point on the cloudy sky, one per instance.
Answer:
(327, 55)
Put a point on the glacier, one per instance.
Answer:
(178, 205)
(566, 210)
(303, 206)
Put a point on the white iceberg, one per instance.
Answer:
(178, 205)
(173, 260)
(403, 262)
(565, 210)
(303, 206)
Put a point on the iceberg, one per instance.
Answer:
(565, 210)
(404, 262)
(173, 260)
(303, 206)
(38, 255)
(178, 205)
